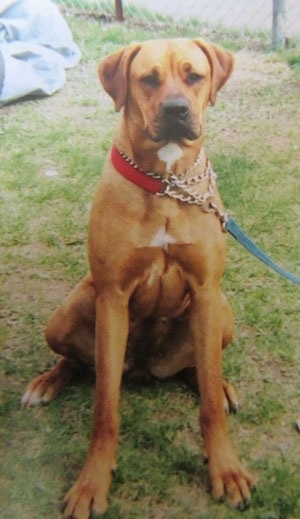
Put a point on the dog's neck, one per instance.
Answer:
(182, 159)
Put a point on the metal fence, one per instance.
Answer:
(277, 20)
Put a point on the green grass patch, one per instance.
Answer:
(292, 57)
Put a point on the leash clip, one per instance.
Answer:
(208, 206)
(223, 217)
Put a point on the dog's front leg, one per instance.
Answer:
(228, 476)
(88, 496)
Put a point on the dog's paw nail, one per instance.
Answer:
(243, 505)
(235, 407)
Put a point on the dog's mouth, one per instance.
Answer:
(177, 132)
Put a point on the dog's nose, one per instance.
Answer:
(176, 109)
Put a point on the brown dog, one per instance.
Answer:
(152, 303)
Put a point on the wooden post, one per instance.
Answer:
(278, 26)
(119, 11)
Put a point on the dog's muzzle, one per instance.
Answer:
(175, 121)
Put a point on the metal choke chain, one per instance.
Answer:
(181, 189)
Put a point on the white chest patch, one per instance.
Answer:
(169, 154)
(162, 239)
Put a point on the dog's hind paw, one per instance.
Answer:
(231, 401)
(42, 389)
(39, 391)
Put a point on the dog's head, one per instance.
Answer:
(165, 85)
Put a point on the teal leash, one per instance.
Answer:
(235, 230)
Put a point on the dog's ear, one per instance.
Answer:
(114, 71)
(221, 62)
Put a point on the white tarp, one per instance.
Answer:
(36, 46)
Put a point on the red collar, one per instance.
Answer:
(138, 177)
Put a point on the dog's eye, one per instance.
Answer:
(151, 80)
(194, 78)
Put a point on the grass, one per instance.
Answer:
(253, 142)
(292, 57)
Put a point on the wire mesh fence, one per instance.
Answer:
(274, 21)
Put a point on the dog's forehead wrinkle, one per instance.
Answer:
(147, 67)
(148, 58)
(150, 68)
(200, 66)
(156, 69)
(186, 65)
(193, 59)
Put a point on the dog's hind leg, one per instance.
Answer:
(178, 355)
(70, 333)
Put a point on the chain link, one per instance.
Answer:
(182, 189)
(157, 176)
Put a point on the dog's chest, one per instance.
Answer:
(163, 289)
(162, 239)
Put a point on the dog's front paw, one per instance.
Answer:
(230, 481)
(88, 496)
